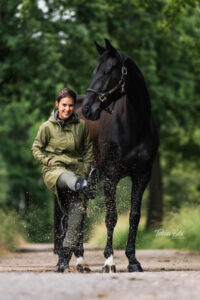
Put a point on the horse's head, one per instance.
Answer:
(108, 83)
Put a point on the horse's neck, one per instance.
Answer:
(132, 112)
(137, 99)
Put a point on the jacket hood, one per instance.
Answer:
(55, 119)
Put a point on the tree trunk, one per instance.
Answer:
(155, 201)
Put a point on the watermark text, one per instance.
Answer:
(173, 234)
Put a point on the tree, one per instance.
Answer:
(45, 47)
(37, 58)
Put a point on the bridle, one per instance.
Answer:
(104, 97)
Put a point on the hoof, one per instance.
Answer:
(82, 268)
(86, 269)
(62, 268)
(135, 268)
(79, 268)
(109, 269)
(67, 270)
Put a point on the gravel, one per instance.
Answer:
(30, 274)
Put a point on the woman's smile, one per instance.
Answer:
(65, 108)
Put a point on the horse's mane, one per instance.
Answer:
(139, 84)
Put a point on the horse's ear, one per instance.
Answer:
(100, 49)
(109, 47)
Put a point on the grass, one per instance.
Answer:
(180, 230)
(11, 231)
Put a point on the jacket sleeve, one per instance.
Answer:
(88, 157)
(39, 145)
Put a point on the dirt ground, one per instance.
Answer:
(40, 258)
(169, 274)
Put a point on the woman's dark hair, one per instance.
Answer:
(65, 92)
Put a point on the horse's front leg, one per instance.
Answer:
(111, 220)
(139, 183)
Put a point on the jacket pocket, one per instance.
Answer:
(55, 161)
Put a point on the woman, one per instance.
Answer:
(63, 146)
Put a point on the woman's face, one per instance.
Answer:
(65, 108)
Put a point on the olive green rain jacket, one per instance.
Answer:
(67, 144)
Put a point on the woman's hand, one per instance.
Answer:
(49, 162)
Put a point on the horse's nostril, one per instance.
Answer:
(86, 110)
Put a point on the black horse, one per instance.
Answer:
(125, 138)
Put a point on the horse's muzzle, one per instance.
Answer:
(91, 112)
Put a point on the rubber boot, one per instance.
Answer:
(88, 187)
(81, 186)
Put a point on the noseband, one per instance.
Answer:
(104, 97)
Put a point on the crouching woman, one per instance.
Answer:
(64, 147)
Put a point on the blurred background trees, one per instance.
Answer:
(48, 44)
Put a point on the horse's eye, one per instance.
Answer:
(106, 71)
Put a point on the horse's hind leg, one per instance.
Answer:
(139, 182)
(111, 220)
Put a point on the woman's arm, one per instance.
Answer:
(39, 145)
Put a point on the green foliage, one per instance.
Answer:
(39, 222)
(166, 58)
(181, 187)
(95, 212)
(4, 183)
(173, 11)
(45, 48)
(96, 207)
(180, 231)
(10, 230)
